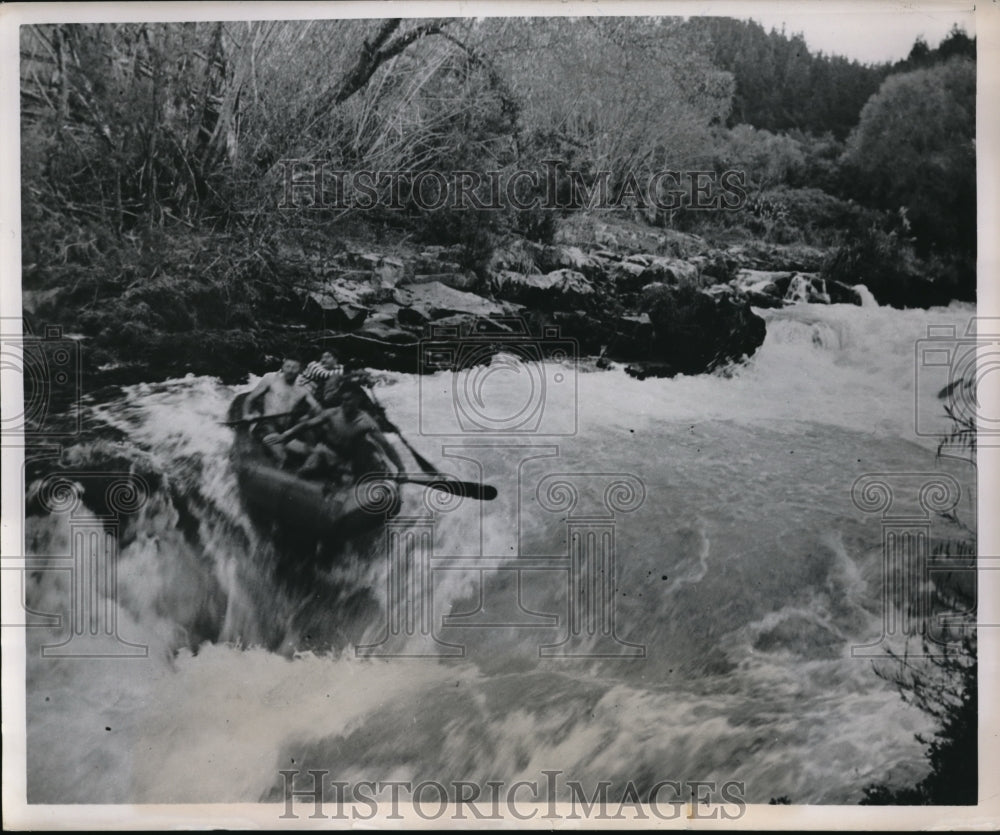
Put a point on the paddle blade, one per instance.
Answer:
(465, 489)
(469, 490)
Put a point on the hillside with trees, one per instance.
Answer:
(169, 178)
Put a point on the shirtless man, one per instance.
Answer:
(350, 438)
(278, 395)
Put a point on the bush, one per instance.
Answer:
(914, 146)
(881, 256)
(945, 687)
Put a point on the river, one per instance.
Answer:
(744, 575)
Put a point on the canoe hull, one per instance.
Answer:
(330, 513)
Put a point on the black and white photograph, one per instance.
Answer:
(568, 415)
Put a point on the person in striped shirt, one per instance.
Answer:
(321, 377)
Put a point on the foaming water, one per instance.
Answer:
(746, 575)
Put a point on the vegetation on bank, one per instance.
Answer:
(154, 156)
(945, 683)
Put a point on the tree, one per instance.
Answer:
(914, 147)
(628, 93)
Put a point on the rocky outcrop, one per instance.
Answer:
(661, 310)
(660, 301)
(696, 330)
(422, 303)
(765, 288)
(558, 290)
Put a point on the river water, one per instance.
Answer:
(745, 576)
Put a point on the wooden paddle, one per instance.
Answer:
(254, 419)
(437, 480)
(466, 489)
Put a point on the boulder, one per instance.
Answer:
(390, 271)
(762, 294)
(606, 334)
(428, 265)
(716, 266)
(557, 290)
(382, 345)
(763, 288)
(841, 293)
(698, 330)
(462, 280)
(666, 270)
(341, 303)
(809, 287)
(573, 258)
(747, 278)
(323, 311)
(384, 314)
(626, 275)
(433, 300)
(638, 238)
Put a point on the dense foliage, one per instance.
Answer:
(157, 155)
(944, 683)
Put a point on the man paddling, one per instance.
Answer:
(350, 439)
(278, 398)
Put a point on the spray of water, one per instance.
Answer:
(746, 574)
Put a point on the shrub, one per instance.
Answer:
(946, 686)
(881, 257)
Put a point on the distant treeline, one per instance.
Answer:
(781, 85)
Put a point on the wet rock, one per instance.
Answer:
(806, 288)
(386, 313)
(434, 300)
(558, 290)
(628, 275)
(809, 287)
(381, 345)
(716, 266)
(340, 303)
(390, 271)
(763, 288)
(668, 271)
(841, 293)
(698, 330)
(618, 337)
(462, 280)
